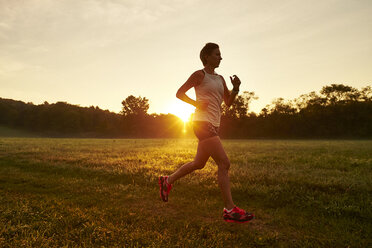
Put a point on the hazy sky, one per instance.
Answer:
(97, 52)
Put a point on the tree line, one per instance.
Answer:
(337, 111)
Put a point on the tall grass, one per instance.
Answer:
(103, 192)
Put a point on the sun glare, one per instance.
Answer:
(181, 110)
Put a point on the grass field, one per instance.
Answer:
(104, 193)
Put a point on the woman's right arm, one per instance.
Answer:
(195, 79)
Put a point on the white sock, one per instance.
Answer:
(228, 209)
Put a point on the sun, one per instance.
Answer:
(181, 110)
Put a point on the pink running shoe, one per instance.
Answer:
(165, 188)
(237, 215)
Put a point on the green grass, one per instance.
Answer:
(104, 193)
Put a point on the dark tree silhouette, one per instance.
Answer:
(233, 117)
(337, 111)
(239, 108)
(135, 106)
(339, 93)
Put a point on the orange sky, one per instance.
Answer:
(98, 52)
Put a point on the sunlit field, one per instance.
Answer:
(104, 193)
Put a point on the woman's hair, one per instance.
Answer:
(207, 50)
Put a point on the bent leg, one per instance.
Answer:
(213, 146)
(199, 162)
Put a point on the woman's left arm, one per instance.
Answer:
(228, 96)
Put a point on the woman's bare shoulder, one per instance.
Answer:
(198, 76)
(223, 79)
(199, 73)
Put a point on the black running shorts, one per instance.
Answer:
(204, 130)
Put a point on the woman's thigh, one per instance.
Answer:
(201, 156)
(213, 147)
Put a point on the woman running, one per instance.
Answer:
(210, 90)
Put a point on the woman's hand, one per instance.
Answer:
(202, 104)
(235, 82)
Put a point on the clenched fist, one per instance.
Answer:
(235, 82)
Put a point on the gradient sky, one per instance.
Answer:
(96, 52)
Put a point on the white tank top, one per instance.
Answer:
(210, 89)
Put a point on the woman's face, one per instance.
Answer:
(215, 58)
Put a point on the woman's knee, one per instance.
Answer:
(198, 164)
(224, 164)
